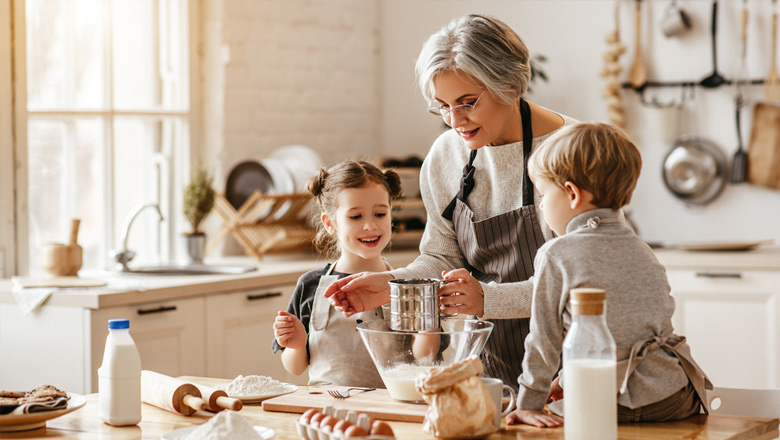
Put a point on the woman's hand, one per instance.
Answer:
(359, 292)
(462, 294)
(289, 331)
(533, 418)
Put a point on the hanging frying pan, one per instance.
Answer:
(694, 170)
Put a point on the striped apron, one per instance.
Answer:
(332, 336)
(500, 249)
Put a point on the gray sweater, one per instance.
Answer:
(498, 189)
(612, 257)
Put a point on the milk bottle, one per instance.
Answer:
(589, 388)
(119, 377)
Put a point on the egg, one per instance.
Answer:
(314, 421)
(341, 427)
(381, 428)
(327, 423)
(306, 416)
(355, 431)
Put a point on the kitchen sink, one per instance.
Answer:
(190, 269)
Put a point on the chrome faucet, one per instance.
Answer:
(125, 255)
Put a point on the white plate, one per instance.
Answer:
(722, 246)
(302, 162)
(23, 422)
(283, 182)
(182, 433)
(261, 397)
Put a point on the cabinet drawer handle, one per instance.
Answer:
(263, 296)
(160, 309)
(718, 275)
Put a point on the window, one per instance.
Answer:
(108, 123)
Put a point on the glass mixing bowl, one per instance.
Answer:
(401, 356)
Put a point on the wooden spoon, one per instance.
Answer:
(637, 76)
(772, 81)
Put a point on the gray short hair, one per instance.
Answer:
(483, 47)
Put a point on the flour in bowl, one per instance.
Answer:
(254, 385)
(226, 425)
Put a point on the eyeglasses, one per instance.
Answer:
(463, 109)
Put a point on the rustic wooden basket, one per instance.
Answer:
(258, 227)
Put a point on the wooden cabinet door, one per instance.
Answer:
(239, 334)
(169, 336)
(731, 321)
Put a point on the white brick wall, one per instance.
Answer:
(296, 72)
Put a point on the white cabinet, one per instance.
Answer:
(239, 333)
(63, 346)
(732, 321)
(169, 336)
(45, 347)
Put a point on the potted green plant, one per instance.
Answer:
(198, 202)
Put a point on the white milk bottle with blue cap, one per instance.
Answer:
(589, 369)
(119, 377)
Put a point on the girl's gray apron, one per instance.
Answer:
(501, 249)
(337, 354)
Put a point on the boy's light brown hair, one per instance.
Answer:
(596, 157)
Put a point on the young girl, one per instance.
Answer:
(355, 200)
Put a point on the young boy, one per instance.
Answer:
(586, 173)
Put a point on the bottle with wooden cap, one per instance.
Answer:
(589, 362)
(119, 377)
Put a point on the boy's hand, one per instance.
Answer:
(533, 418)
(289, 331)
(463, 294)
(556, 392)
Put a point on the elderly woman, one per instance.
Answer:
(483, 226)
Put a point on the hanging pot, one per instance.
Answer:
(694, 170)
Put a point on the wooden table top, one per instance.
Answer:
(85, 424)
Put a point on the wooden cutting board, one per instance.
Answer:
(764, 147)
(377, 404)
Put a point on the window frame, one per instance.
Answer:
(14, 211)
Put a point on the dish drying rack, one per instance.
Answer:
(265, 223)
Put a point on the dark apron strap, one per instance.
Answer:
(528, 140)
(467, 180)
(466, 185)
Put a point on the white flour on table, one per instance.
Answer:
(226, 425)
(254, 385)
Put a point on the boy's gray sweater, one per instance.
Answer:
(607, 255)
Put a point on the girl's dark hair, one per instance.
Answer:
(328, 184)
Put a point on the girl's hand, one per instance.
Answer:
(359, 292)
(289, 331)
(556, 392)
(463, 294)
(533, 418)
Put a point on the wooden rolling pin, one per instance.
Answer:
(170, 394)
(217, 400)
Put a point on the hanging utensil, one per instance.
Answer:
(637, 76)
(740, 160)
(715, 79)
(772, 81)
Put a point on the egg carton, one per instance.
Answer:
(308, 432)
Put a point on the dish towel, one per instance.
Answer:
(34, 407)
(30, 299)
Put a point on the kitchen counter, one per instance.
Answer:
(762, 258)
(128, 290)
(85, 424)
(134, 289)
